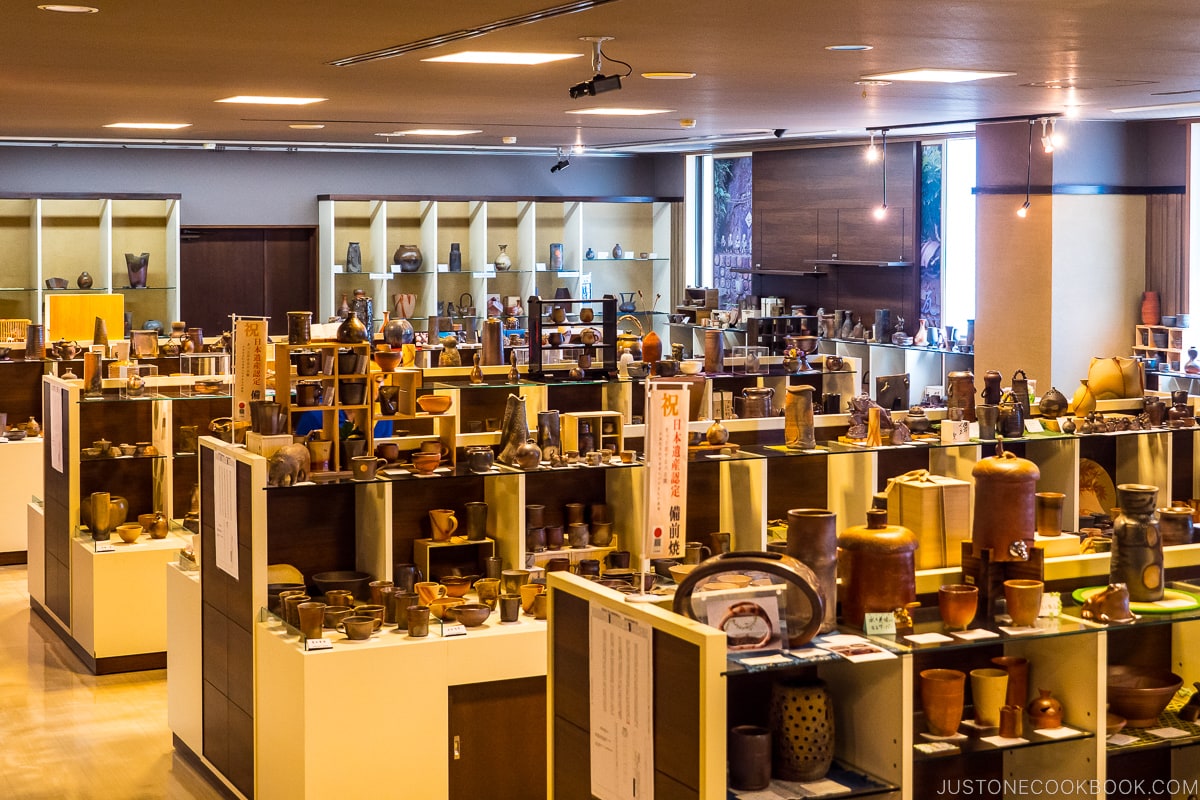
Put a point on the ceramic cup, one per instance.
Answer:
(628, 456)
(428, 591)
(1024, 600)
(371, 610)
(364, 468)
(989, 687)
(358, 627)
(528, 592)
(418, 621)
(541, 606)
(405, 575)
(279, 606)
(942, 700)
(694, 553)
(1048, 512)
(312, 620)
(749, 757)
(513, 579)
(401, 602)
(510, 607)
(958, 603)
(618, 559)
(578, 534)
(444, 523)
(1010, 721)
(290, 615)
(335, 614)
(339, 597)
(377, 588)
(720, 542)
(554, 537)
(488, 591)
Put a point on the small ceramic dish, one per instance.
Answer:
(434, 403)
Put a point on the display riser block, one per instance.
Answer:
(109, 665)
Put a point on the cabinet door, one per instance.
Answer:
(497, 746)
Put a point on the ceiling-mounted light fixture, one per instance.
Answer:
(881, 212)
(563, 162)
(1047, 139)
(1023, 211)
(872, 150)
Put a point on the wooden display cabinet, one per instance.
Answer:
(457, 557)
(596, 421)
(334, 384)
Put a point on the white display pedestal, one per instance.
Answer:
(22, 465)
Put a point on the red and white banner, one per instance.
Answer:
(666, 469)
(249, 365)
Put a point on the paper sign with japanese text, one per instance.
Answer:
(666, 469)
(249, 365)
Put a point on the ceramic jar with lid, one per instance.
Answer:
(877, 564)
(960, 392)
(756, 401)
(1005, 485)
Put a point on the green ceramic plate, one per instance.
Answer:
(1173, 600)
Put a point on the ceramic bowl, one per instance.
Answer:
(344, 579)
(441, 605)
(434, 403)
(426, 463)
(388, 360)
(1139, 694)
(638, 369)
(129, 531)
(470, 614)
(1113, 723)
(15, 434)
(692, 366)
(456, 586)
(680, 571)
(57, 283)
(88, 452)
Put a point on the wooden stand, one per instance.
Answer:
(978, 569)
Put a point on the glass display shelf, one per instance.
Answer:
(16, 289)
(172, 541)
(84, 459)
(1146, 739)
(842, 780)
(972, 740)
(143, 288)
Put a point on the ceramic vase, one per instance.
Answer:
(353, 257)
(1174, 524)
(514, 430)
(351, 331)
(1151, 311)
(1137, 556)
(84, 281)
(1020, 390)
(35, 342)
(408, 256)
(1005, 484)
(396, 332)
(749, 758)
(801, 729)
(492, 352)
(799, 427)
(503, 262)
(1048, 512)
(961, 393)
(942, 693)
(137, 266)
(299, 327)
(1018, 679)
(548, 435)
(1045, 711)
(363, 307)
(100, 520)
(714, 351)
(991, 387)
(878, 567)
(651, 349)
(455, 261)
(812, 540)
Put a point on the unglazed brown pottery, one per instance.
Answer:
(311, 616)
(989, 687)
(811, 540)
(513, 579)
(428, 591)
(129, 532)
(878, 567)
(528, 592)
(1045, 711)
(510, 607)
(440, 606)
(358, 627)
(1005, 484)
(456, 586)
(488, 591)
(1024, 600)
(749, 757)
(332, 615)
(1137, 556)
(802, 729)
(443, 522)
(1018, 679)
(942, 693)
(1140, 693)
(958, 603)
(470, 614)
(1048, 512)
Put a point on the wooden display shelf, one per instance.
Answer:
(571, 421)
(436, 559)
(330, 375)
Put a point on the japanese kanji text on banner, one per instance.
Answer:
(666, 469)
(249, 364)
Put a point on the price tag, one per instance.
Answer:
(454, 629)
(879, 623)
(1034, 426)
(105, 547)
(317, 644)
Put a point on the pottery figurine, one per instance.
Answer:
(1045, 711)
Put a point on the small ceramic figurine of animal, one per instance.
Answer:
(289, 465)
(1110, 605)
(450, 356)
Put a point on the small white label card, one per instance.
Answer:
(878, 623)
(1018, 631)
(454, 629)
(1004, 741)
(1118, 739)
(317, 644)
(1056, 733)
(1167, 733)
(1034, 426)
(975, 633)
(105, 547)
(936, 747)
(927, 638)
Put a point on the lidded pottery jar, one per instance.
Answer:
(1053, 403)
(1045, 711)
(991, 387)
(1137, 555)
(960, 392)
(877, 564)
(1175, 524)
(1005, 485)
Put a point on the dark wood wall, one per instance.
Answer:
(246, 271)
(818, 203)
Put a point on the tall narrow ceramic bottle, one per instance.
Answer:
(798, 423)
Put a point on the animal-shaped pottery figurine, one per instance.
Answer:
(450, 356)
(289, 465)
(1110, 605)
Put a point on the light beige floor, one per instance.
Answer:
(66, 734)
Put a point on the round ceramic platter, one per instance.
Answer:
(1179, 601)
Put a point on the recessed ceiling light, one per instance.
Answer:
(501, 57)
(267, 100)
(306, 126)
(150, 126)
(614, 111)
(848, 48)
(872, 82)
(430, 132)
(669, 76)
(61, 9)
(1163, 107)
(933, 75)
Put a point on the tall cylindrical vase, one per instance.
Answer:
(101, 515)
(798, 425)
(714, 351)
(801, 729)
(492, 353)
(1151, 311)
(137, 267)
(548, 436)
(1137, 555)
(299, 327)
(812, 540)
(35, 342)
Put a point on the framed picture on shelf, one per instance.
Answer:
(749, 616)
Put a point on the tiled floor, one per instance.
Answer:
(66, 734)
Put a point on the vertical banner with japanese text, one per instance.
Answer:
(666, 469)
(249, 365)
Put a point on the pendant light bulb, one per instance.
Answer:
(880, 211)
(872, 151)
(1056, 139)
(1047, 140)
(1023, 211)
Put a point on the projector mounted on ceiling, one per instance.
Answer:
(599, 83)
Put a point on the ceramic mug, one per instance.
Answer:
(528, 592)
(428, 591)
(989, 687)
(365, 467)
(1024, 600)
(358, 627)
(444, 523)
(335, 614)
(510, 607)
(340, 597)
(513, 579)
(694, 553)
(957, 603)
(488, 591)
(311, 617)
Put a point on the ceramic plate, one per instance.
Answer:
(1178, 600)
(1097, 493)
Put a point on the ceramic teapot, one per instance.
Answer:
(64, 349)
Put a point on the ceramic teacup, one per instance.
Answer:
(428, 591)
(358, 627)
(365, 467)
